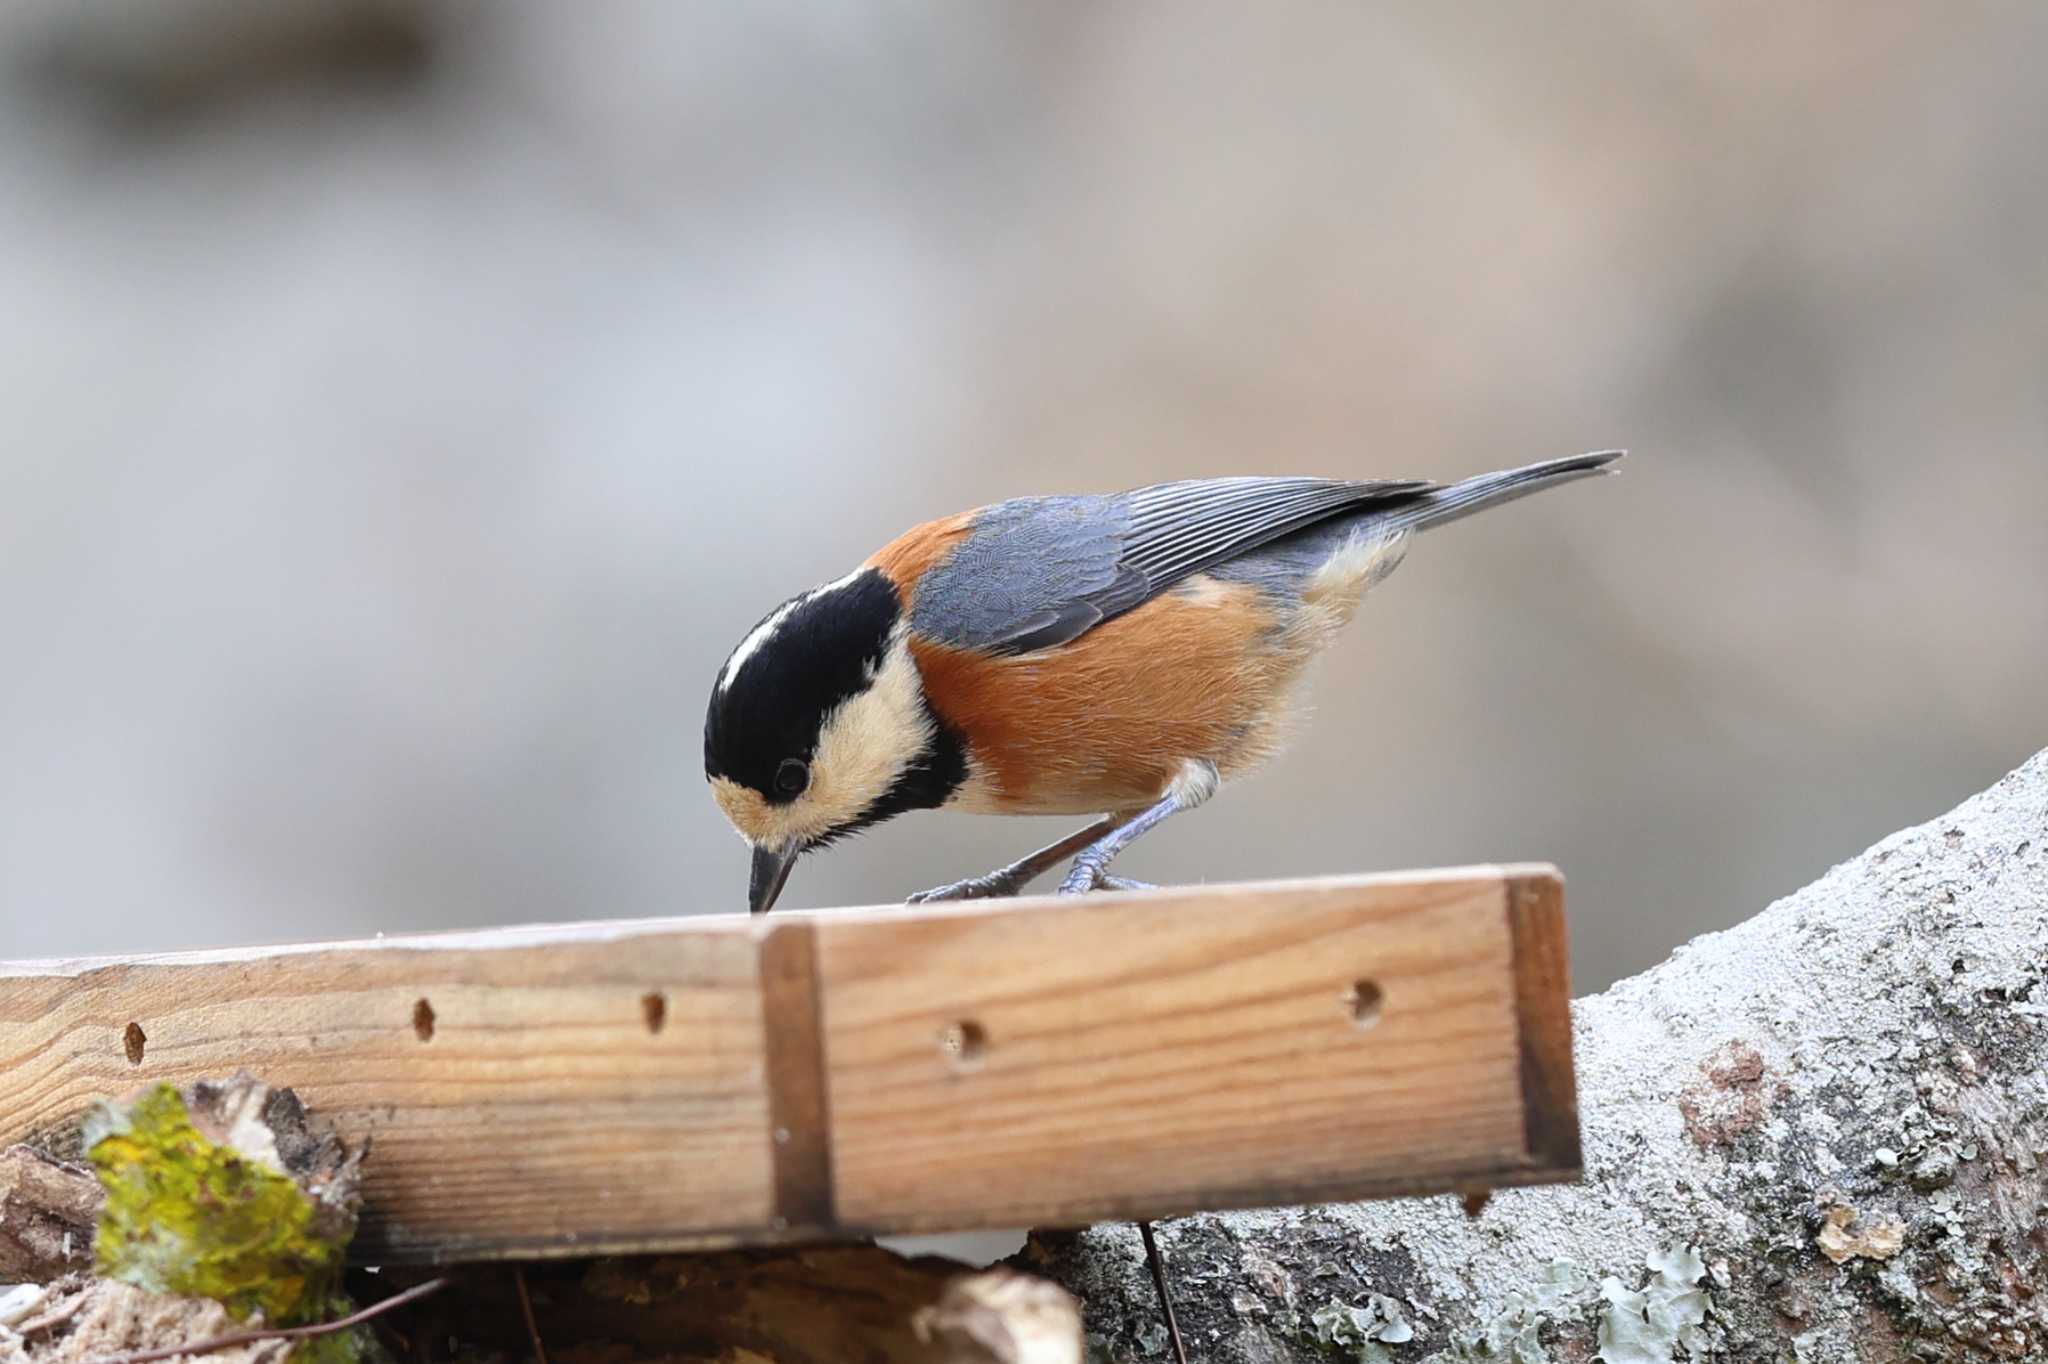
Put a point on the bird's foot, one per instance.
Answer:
(1087, 876)
(994, 886)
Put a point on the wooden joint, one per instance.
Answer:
(1543, 1021)
(793, 1050)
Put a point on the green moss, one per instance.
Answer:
(188, 1215)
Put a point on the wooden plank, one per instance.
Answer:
(527, 1103)
(667, 1084)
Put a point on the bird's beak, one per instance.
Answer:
(771, 869)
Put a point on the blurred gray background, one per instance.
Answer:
(407, 406)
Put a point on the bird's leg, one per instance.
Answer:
(1197, 782)
(1091, 864)
(1013, 878)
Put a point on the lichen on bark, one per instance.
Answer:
(219, 1192)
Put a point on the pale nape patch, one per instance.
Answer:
(863, 747)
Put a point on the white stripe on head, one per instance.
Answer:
(765, 631)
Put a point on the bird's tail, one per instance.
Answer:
(1440, 506)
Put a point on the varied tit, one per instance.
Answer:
(1117, 656)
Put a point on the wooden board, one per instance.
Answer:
(677, 1083)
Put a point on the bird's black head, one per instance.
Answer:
(818, 727)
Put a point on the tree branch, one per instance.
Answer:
(1819, 1135)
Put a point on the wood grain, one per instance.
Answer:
(669, 1084)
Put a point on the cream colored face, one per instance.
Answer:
(864, 745)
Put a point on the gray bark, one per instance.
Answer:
(1819, 1136)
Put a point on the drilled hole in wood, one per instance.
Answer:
(654, 1009)
(1364, 1000)
(423, 1021)
(133, 1039)
(964, 1044)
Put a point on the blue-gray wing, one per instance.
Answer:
(1038, 572)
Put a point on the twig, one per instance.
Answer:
(1158, 1268)
(49, 1319)
(228, 1342)
(540, 1351)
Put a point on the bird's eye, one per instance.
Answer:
(793, 776)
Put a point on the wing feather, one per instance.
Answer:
(1182, 528)
(1036, 573)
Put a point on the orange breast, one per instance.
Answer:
(1104, 723)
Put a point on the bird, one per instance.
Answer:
(1119, 656)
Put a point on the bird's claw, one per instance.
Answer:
(1087, 876)
(996, 885)
(993, 886)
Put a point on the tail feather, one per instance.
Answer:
(1444, 505)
